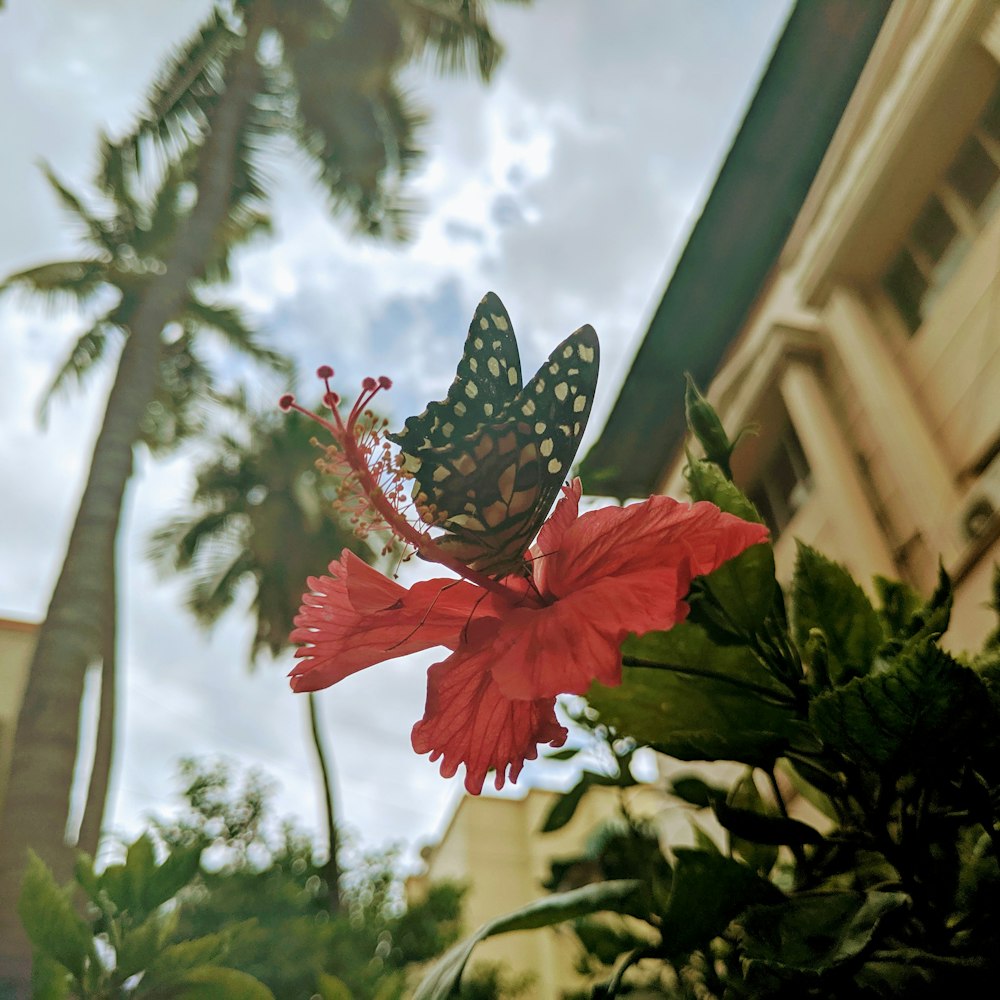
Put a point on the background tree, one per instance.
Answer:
(262, 520)
(328, 80)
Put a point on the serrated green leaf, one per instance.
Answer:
(825, 597)
(685, 696)
(815, 932)
(922, 707)
(708, 891)
(626, 896)
(50, 920)
(707, 482)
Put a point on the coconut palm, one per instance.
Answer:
(326, 77)
(261, 520)
(126, 237)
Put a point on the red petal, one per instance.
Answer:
(562, 648)
(617, 570)
(467, 720)
(562, 518)
(356, 617)
(659, 532)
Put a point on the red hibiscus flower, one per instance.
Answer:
(518, 642)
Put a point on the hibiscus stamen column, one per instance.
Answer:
(371, 482)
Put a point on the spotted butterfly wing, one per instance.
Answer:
(488, 376)
(491, 486)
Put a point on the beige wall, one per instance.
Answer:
(17, 643)
(901, 431)
(494, 847)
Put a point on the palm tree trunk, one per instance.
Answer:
(331, 870)
(100, 773)
(70, 638)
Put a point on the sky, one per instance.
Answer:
(567, 186)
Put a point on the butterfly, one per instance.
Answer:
(489, 459)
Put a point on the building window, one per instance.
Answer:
(783, 482)
(952, 217)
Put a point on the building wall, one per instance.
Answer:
(17, 644)
(899, 419)
(493, 846)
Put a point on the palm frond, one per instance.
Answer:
(86, 353)
(191, 81)
(362, 146)
(76, 281)
(117, 176)
(214, 590)
(178, 543)
(454, 32)
(229, 323)
(100, 232)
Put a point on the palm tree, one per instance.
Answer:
(126, 240)
(325, 75)
(262, 515)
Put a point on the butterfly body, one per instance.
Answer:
(489, 459)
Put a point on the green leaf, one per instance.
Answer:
(812, 933)
(565, 807)
(166, 880)
(745, 816)
(906, 616)
(708, 891)
(706, 482)
(50, 920)
(733, 601)
(919, 709)
(212, 983)
(332, 988)
(139, 947)
(140, 860)
(704, 423)
(825, 597)
(754, 827)
(625, 896)
(50, 980)
(696, 791)
(686, 697)
(177, 959)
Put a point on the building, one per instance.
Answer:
(494, 847)
(841, 291)
(17, 644)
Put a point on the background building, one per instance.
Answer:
(848, 304)
(17, 643)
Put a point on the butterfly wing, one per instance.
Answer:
(488, 377)
(492, 489)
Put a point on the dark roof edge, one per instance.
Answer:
(738, 237)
